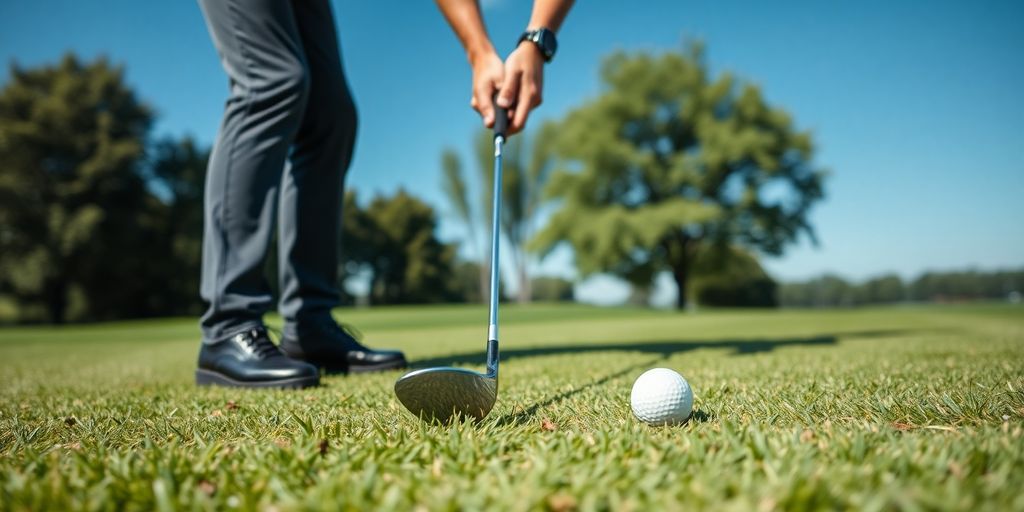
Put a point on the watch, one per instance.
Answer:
(544, 39)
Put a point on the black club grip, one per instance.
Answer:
(500, 119)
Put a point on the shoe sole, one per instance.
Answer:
(209, 378)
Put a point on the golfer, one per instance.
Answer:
(284, 146)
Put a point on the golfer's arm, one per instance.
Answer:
(464, 17)
(549, 14)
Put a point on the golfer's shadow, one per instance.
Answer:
(663, 350)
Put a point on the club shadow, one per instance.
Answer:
(663, 350)
(525, 415)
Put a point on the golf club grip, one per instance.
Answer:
(500, 119)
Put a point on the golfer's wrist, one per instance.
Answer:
(477, 52)
(531, 48)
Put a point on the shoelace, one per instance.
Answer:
(259, 342)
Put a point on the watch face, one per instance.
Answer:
(545, 41)
(548, 42)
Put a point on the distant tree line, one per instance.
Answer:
(958, 286)
(99, 221)
(669, 169)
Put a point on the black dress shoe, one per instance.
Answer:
(250, 359)
(328, 346)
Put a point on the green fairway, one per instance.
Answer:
(872, 409)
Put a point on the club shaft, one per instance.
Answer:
(492, 330)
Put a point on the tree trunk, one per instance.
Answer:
(57, 300)
(679, 251)
(681, 274)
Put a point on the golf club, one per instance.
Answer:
(441, 394)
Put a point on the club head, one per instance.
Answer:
(444, 393)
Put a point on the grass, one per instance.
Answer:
(910, 408)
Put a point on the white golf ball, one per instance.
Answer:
(661, 397)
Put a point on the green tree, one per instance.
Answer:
(827, 291)
(394, 239)
(882, 290)
(731, 277)
(833, 291)
(75, 215)
(467, 278)
(466, 275)
(552, 289)
(966, 285)
(455, 188)
(177, 172)
(359, 242)
(667, 159)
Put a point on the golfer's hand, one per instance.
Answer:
(524, 81)
(488, 72)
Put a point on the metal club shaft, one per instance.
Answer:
(492, 329)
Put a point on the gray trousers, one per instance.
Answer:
(280, 159)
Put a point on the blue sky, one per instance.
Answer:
(916, 107)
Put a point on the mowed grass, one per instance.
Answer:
(911, 408)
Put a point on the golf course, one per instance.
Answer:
(909, 407)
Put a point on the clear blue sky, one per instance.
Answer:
(916, 106)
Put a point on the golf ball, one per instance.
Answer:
(661, 397)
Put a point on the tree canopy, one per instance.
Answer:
(393, 238)
(668, 158)
(74, 208)
(98, 221)
(731, 277)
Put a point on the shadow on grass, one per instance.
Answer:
(661, 348)
(526, 415)
(521, 417)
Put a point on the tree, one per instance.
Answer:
(552, 289)
(966, 285)
(882, 290)
(75, 213)
(827, 291)
(177, 171)
(731, 277)
(393, 238)
(455, 188)
(466, 276)
(668, 159)
(832, 291)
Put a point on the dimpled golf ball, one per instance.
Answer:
(661, 397)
